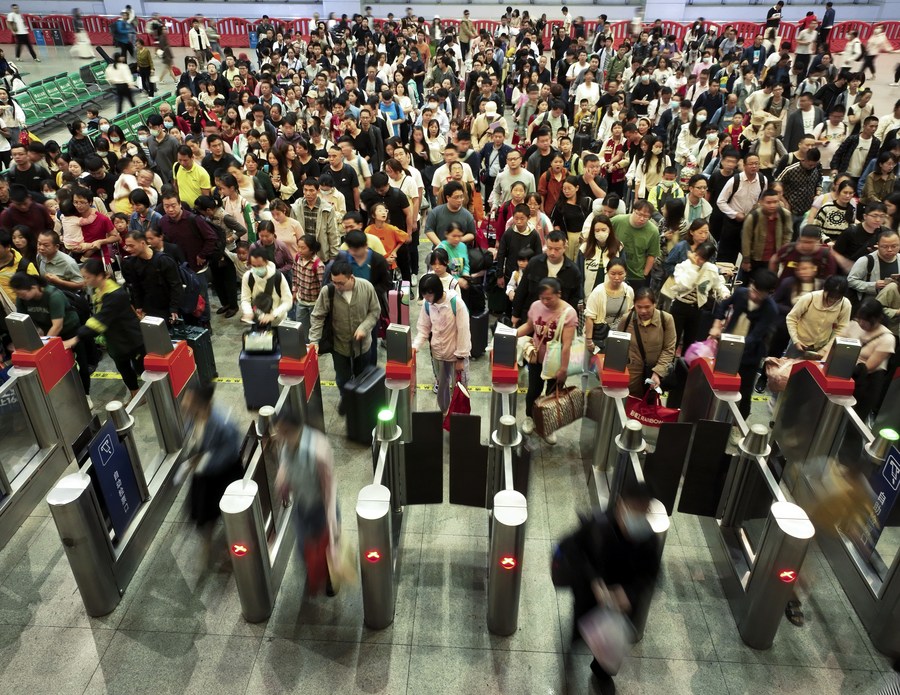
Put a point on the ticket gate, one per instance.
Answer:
(757, 536)
(258, 525)
(828, 430)
(299, 366)
(47, 422)
(109, 512)
(613, 447)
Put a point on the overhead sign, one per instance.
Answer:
(115, 476)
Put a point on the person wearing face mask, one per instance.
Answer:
(163, 147)
(643, 93)
(265, 293)
(611, 559)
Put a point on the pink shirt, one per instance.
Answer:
(546, 324)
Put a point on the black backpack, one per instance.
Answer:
(79, 303)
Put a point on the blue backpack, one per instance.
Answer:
(452, 306)
(192, 301)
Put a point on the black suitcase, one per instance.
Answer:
(259, 374)
(199, 340)
(364, 397)
(478, 327)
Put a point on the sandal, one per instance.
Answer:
(793, 613)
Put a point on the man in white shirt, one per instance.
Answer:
(442, 173)
(736, 204)
(659, 106)
(19, 28)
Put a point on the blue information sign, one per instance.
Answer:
(115, 475)
(885, 484)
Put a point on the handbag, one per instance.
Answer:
(525, 347)
(558, 409)
(341, 564)
(553, 353)
(460, 403)
(649, 411)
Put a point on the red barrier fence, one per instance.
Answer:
(235, 32)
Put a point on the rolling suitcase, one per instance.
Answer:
(478, 327)
(364, 397)
(199, 340)
(398, 304)
(259, 372)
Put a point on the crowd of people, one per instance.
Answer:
(675, 189)
(592, 185)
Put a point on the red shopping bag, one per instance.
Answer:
(460, 404)
(315, 554)
(648, 410)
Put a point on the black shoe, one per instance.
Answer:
(329, 589)
(221, 309)
(761, 383)
(605, 683)
(230, 312)
(342, 410)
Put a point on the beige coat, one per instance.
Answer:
(658, 338)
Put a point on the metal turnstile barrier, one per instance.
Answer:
(825, 432)
(612, 448)
(47, 422)
(259, 528)
(109, 512)
(757, 537)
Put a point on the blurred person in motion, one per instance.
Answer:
(306, 475)
(613, 555)
(212, 446)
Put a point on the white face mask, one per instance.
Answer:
(601, 236)
(707, 59)
(712, 137)
(700, 118)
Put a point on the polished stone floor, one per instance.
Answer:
(179, 629)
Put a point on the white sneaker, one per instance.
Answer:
(90, 403)
(414, 281)
(528, 426)
(550, 438)
(895, 84)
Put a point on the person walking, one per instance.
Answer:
(118, 74)
(350, 304)
(551, 323)
(611, 560)
(444, 324)
(20, 30)
(306, 476)
(651, 352)
(82, 47)
(212, 454)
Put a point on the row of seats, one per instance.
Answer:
(129, 120)
(56, 99)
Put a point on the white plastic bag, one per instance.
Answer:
(609, 635)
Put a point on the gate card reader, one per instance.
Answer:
(728, 357)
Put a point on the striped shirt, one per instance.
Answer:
(308, 276)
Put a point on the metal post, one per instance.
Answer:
(124, 428)
(499, 394)
(376, 555)
(785, 539)
(505, 561)
(248, 548)
(76, 513)
(36, 406)
(629, 443)
(166, 410)
(607, 424)
(660, 523)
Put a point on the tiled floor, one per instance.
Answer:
(178, 628)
